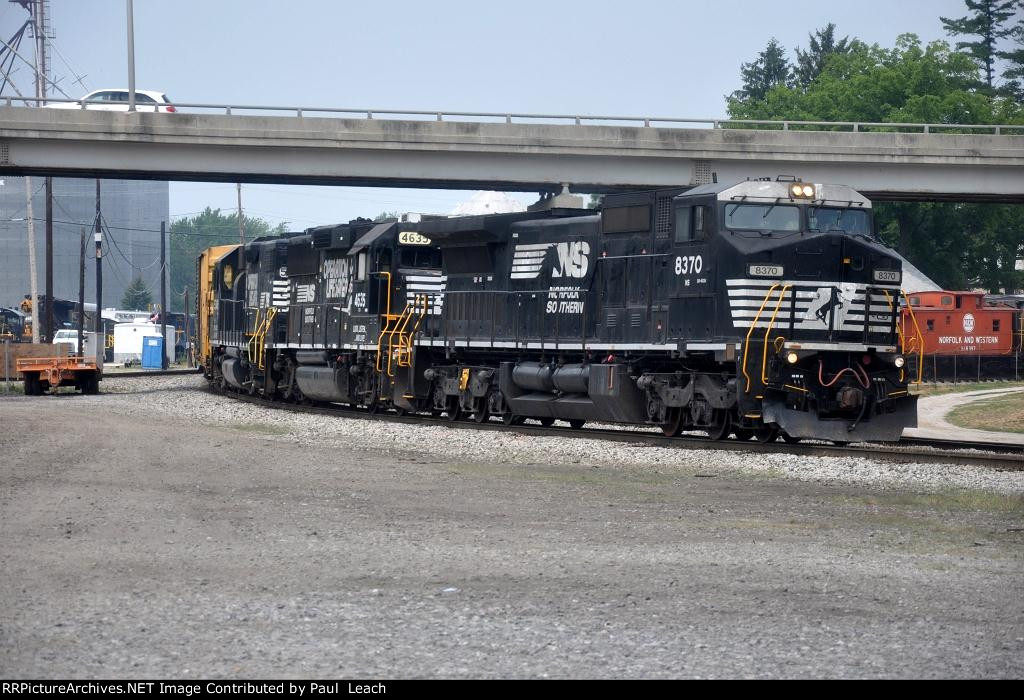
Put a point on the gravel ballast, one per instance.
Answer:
(186, 397)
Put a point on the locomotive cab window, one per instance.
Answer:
(684, 224)
(854, 221)
(419, 257)
(762, 217)
(690, 224)
(361, 267)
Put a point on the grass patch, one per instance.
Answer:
(938, 389)
(950, 501)
(1002, 413)
(261, 428)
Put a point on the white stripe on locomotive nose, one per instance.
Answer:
(533, 246)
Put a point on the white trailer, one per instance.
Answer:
(128, 341)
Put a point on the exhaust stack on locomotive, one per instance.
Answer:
(761, 308)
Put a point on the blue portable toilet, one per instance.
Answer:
(152, 352)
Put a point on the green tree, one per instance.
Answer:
(770, 69)
(385, 216)
(960, 246)
(1013, 87)
(908, 83)
(137, 296)
(822, 45)
(190, 236)
(986, 22)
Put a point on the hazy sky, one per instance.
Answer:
(673, 59)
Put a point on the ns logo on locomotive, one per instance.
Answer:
(758, 309)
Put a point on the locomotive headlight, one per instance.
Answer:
(899, 361)
(792, 357)
(808, 191)
(799, 189)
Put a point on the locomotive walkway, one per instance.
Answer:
(512, 152)
(932, 423)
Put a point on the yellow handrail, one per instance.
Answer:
(405, 339)
(386, 320)
(261, 343)
(400, 323)
(920, 337)
(753, 325)
(764, 352)
(250, 347)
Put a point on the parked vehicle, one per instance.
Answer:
(116, 100)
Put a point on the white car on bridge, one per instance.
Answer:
(116, 100)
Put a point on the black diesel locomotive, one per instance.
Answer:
(756, 309)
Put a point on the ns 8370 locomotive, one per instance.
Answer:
(756, 309)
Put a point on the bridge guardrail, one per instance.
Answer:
(577, 119)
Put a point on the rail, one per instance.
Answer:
(563, 119)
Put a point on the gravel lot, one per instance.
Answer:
(159, 530)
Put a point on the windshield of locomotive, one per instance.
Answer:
(854, 221)
(762, 217)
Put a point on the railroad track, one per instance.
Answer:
(151, 373)
(910, 450)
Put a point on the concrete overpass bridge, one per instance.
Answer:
(511, 152)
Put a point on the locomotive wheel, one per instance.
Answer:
(840, 443)
(399, 411)
(480, 413)
(577, 424)
(374, 405)
(509, 418)
(674, 425)
(743, 434)
(454, 410)
(546, 422)
(766, 434)
(789, 439)
(722, 425)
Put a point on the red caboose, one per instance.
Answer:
(983, 337)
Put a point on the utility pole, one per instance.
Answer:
(32, 280)
(49, 260)
(131, 57)
(163, 292)
(101, 335)
(188, 338)
(42, 69)
(241, 230)
(81, 297)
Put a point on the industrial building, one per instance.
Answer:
(132, 211)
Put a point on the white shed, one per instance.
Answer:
(128, 340)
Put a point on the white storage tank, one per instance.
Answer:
(128, 341)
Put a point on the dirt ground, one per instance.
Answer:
(143, 546)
